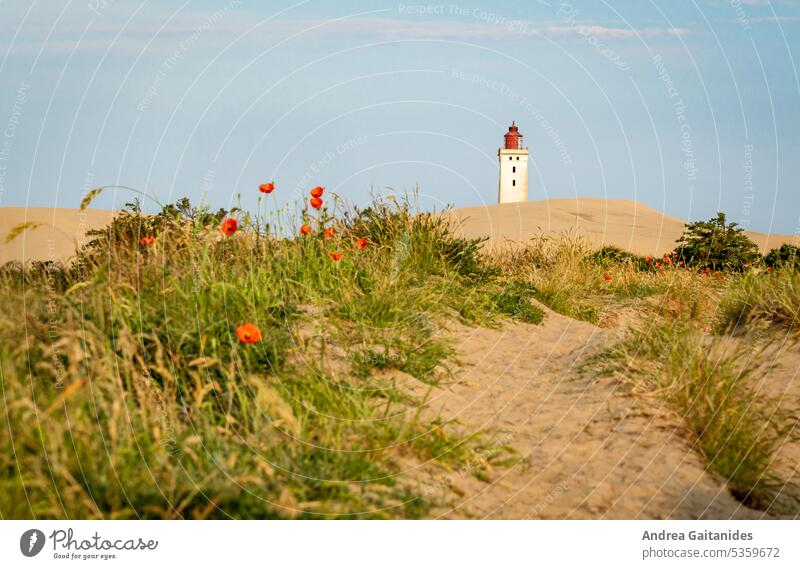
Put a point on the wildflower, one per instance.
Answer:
(267, 188)
(708, 270)
(248, 333)
(147, 240)
(229, 226)
(607, 277)
(336, 256)
(305, 229)
(329, 232)
(317, 192)
(361, 243)
(769, 268)
(316, 203)
(648, 259)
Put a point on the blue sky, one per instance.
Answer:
(688, 106)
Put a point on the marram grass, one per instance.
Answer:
(174, 371)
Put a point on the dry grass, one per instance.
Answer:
(573, 279)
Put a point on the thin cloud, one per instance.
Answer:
(775, 19)
(615, 33)
(364, 29)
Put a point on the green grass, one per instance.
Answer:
(714, 391)
(569, 277)
(127, 393)
(760, 300)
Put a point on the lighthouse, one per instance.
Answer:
(513, 186)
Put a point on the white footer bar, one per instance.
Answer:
(401, 544)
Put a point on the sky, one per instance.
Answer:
(689, 106)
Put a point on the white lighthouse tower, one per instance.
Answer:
(513, 185)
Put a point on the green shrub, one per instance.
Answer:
(787, 257)
(611, 255)
(718, 245)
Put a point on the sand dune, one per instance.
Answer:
(61, 232)
(624, 223)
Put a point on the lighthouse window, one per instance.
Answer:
(513, 182)
(513, 168)
(517, 157)
(510, 157)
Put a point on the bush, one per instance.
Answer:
(788, 256)
(613, 255)
(718, 245)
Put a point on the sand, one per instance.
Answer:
(627, 224)
(61, 232)
(588, 447)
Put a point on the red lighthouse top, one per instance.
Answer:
(513, 137)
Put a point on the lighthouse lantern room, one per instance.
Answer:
(513, 186)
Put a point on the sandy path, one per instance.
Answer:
(590, 450)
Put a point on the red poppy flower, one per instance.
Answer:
(305, 229)
(708, 269)
(769, 268)
(147, 240)
(317, 192)
(267, 188)
(648, 259)
(329, 232)
(316, 203)
(229, 226)
(361, 243)
(248, 333)
(607, 277)
(336, 256)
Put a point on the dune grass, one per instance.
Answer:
(571, 278)
(714, 390)
(670, 354)
(128, 392)
(762, 300)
